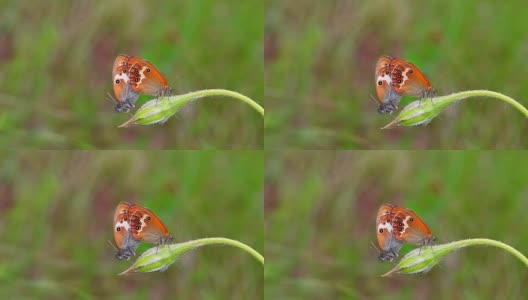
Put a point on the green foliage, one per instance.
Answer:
(321, 208)
(57, 61)
(56, 213)
(319, 72)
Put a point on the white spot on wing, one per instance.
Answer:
(123, 224)
(142, 75)
(122, 76)
(404, 74)
(385, 225)
(405, 224)
(386, 78)
(143, 224)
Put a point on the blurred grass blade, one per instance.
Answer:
(421, 260)
(158, 259)
(421, 112)
(159, 110)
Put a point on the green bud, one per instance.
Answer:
(422, 259)
(419, 260)
(159, 110)
(421, 112)
(158, 259)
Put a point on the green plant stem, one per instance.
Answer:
(222, 92)
(421, 112)
(473, 242)
(225, 241)
(422, 260)
(491, 94)
(159, 110)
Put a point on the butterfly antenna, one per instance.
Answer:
(110, 98)
(112, 245)
(373, 99)
(374, 247)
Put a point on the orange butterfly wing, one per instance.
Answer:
(125, 96)
(407, 79)
(409, 227)
(389, 245)
(124, 240)
(147, 79)
(388, 98)
(146, 226)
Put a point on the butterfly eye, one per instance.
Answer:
(381, 230)
(118, 229)
(380, 82)
(117, 81)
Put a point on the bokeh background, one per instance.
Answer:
(56, 61)
(320, 214)
(319, 71)
(56, 214)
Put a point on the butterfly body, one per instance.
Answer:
(127, 248)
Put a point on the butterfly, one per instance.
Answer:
(146, 79)
(134, 223)
(125, 242)
(409, 227)
(125, 97)
(389, 245)
(388, 98)
(408, 80)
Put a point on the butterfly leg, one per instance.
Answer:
(429, 94)
(431, 100)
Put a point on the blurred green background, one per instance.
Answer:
(319, 71)
(320, 214)
(56, 214)
(56, 61)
